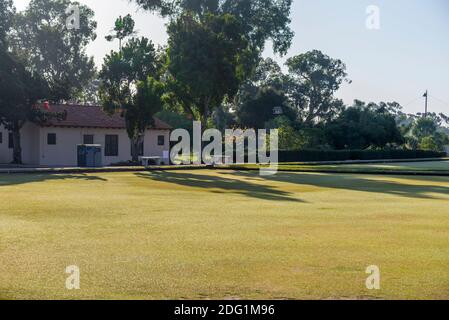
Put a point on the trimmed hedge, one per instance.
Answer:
(343, 155)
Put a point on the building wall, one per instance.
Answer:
(5, 152)
(151, 147)
(29, 141)
(64, 153)
(36, 150)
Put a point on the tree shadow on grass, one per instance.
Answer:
(221, 184)
(356, 183)
(23, 178)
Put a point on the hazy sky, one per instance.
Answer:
(406, 56)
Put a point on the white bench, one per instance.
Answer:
(146, 160)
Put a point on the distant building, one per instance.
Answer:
(55, 143)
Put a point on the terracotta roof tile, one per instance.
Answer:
(93, 117)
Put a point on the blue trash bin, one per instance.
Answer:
(89, 155)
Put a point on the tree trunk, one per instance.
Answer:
(205, 116)
(135, 144)
(17, 147)
(203, 119)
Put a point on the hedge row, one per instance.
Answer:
(342, 155)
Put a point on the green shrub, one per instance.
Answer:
(343, 155)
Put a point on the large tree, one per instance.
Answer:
(207, 61)
(130, 85)
(267, 74)
(53, 50)
(314, 79)
(362, 126)
(255, 101)
(428, 133)
(20, 92)
(214, 45)
(266, 105)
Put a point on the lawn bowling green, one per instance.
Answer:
(223, 234)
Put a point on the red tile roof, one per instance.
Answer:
(93, 117)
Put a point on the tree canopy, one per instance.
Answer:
(363, 125)
(428, 135)
(207, 61)
(314, 77)
(123, 28)
(215, 45)
(266, 105)
(261, 20)
(6, 14)
(310, 86)
(41, 38)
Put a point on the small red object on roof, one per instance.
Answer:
(46, 105)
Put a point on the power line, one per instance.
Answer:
(420, 97)
(411, 102)
(439, 100)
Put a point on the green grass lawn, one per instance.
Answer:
(224, 234)
(431, 167)
(423, 165)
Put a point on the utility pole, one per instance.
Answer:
(426, 95)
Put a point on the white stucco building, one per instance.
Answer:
(55, 143)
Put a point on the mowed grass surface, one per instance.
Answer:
(430, 167)
(223, 235)
(415, 166)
